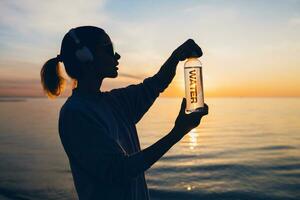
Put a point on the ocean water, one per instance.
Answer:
(245, 149)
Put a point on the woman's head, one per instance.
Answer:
(103, 63)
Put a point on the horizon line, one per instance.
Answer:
(162, 96)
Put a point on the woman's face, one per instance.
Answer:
(106, 61)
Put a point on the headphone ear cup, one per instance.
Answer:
(84, 54)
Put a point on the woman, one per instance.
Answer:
(97, 129)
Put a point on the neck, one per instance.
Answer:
(91, 86)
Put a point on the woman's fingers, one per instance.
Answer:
(183, 106)
(187, 121)
(205, 109)
(200, 112)
(188, 49)
(193, 48)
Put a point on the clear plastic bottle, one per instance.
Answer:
(193, 84)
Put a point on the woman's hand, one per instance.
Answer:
(187, 49)
(186, 122)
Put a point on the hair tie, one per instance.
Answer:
(59, 58)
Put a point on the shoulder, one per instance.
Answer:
(83, 111)
(73, 116)
(72, 108)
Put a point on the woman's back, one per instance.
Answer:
(96, 135)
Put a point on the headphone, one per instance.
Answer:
(83, 53)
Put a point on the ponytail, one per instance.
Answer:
(52, 81)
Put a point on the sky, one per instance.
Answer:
(251, 48)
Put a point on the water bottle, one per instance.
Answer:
(193, 84)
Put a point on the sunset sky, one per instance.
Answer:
(251, 48)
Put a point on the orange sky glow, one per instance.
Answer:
(249, 51)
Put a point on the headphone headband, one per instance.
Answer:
(74, 36)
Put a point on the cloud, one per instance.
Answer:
(50, 16)
(31, 29)
(294, 21)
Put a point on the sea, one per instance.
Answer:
(245, 149)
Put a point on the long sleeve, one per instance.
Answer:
(136, 99)
(87, 143)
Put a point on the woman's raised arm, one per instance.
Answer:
(136, 99)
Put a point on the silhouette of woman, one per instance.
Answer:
(97, 129)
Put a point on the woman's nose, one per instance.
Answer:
(117, 56)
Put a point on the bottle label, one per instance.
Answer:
(193, 88)
(193, 85)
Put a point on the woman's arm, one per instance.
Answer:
(165, 75)
(136, 99)
(139, 162)
(147, 157)
(87, 144)
(168, 70)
